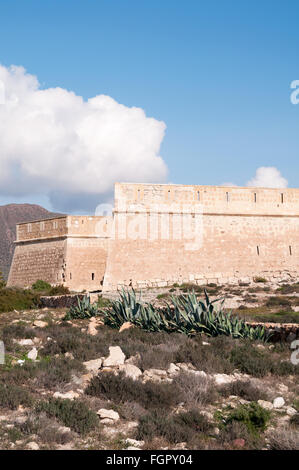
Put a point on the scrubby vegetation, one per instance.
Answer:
(12, 298)
(186, 314)
(74, 414)
(199, 390)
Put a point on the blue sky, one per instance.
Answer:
(218, 73)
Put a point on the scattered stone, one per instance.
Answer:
(116, 357)
(291, 411)
(221, 379)
(134, 443)
(64, 429)
(265, 404)
(126, 326)
(40, 323)
(132, 448)
(25, 342)
(33, 446)
(110, 414)
(130, 371)
(133, 359)
(107, 421)
(153, 372)
(32, 354)
(278, 402)
(173, 368)
(70, 395)
(91, 329)
(204, 343)
(94, 365)
(69, 355)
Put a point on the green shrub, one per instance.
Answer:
(58, 290)
(12, 397)
(41, 285)
(260, 363)
(83, 309)
(278, 301)
(120, 389)
(73, 414)
(259, 279)
(12, 298)
(252, 415)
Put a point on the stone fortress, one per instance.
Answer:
(160, 234)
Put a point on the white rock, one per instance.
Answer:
(110, 414)
(64, 429)
(130, 371)
(155, 372)
(69, 355)
(40, 324)
(94, 365)
(68, 395)
(278, 402)
(221, 379)
(91, 329)
(116, 357)
(173, 369)
(134, 443)
(291, 411)
(265, 404)
(25, 342)
(33, 446)
(126, 326)
(132, 448)
(107, 421)
(204, 343)
(32, 354)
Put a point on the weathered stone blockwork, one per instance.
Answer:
(162, 234)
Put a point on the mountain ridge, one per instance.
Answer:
(10, 215)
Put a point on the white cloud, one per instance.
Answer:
(268, 177)
(54, 143)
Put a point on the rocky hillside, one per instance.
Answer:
(10, 215)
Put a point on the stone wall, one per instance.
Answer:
(238, 234)
(165, 234)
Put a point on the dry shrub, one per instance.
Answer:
(243, 389)
(196, 389)
(284, 439)
(120, 389)
(12, 396)
(180, 427)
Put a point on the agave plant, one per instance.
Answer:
(130, 309)
(192, 315)
(186, 314)
(83, 309)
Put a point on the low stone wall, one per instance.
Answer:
(280, 331)
(60, 301)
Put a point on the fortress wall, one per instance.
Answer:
(214, 199)
(33, 260)
(69, 250)
(85, 263)
(238, 239)
(42, 229)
